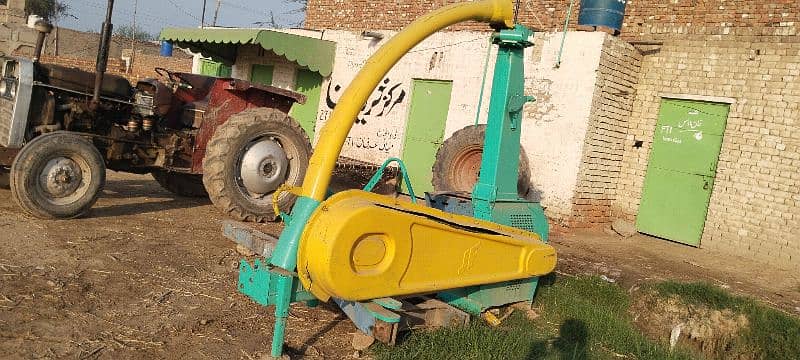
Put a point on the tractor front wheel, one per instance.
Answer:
(57, 176)
(458, 162)
(249, 157)
(187, 185)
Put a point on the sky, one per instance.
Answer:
(152, 15)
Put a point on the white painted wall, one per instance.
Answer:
(454, 56)
(554, 127)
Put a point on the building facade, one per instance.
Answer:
(686, 123)
(743, 57)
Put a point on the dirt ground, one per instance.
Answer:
(149, 275)
(641, 258)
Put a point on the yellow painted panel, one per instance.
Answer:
(359, 246)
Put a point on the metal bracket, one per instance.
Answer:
(379, 173)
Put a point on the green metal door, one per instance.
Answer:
(680, 173)
(213, 68)
(308, 83)
(262, 74)
(430, 100)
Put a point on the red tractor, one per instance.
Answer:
(61, 128)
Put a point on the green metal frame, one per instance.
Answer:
(404, 173)
(495, 197)
(500, 162)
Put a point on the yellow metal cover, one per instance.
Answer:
(360, 246)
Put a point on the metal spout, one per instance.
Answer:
(43, 28)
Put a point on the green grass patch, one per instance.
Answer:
(771, 334)
(581, 318)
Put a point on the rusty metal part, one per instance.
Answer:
(7, 155)
(241, 85)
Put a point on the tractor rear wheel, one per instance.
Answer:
(187, 185)
(57, 176)
(458, 162)
(249, 157)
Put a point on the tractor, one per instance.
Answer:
(61, 128)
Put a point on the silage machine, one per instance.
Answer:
(369, 253)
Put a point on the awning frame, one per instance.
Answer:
(221, 44)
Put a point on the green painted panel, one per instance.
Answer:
(213, 68)
(224, 70)
(308, 83)
(430, 100)
(674, 205)
(262, 74)
(680, 173)
(688, 136)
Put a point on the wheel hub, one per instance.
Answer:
(466, 169)
(61, 177)
(264, 167)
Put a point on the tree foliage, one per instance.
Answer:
(50, 10)
(127, 31)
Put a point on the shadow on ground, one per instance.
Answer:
(135, 190)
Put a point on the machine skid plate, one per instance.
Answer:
(359, 246)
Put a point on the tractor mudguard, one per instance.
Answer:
(359, 246)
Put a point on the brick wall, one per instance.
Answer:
(81, 44)
(13, 11)
(142, 67)
(643, 18)
(755, 203)
(599, 173)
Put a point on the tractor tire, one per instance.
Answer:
(57, 176)
(458, 162)
(249, 156)
(186, 185)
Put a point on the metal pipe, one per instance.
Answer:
(43, 28)
(483, 80)
(102, 52)
(203, 16)
(564, 36)
(499, 13)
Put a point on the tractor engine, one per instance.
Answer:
(153, 104)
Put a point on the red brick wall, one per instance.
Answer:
(643, 18)
(142, 67)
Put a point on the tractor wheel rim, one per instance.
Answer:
(264, 166)
(63, 180)
(466, 168)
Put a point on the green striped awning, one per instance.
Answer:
(221, 45)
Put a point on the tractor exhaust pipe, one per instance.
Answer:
(43, 28)
(102, 53)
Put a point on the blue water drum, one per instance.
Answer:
(608, 13)
(166, 48)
